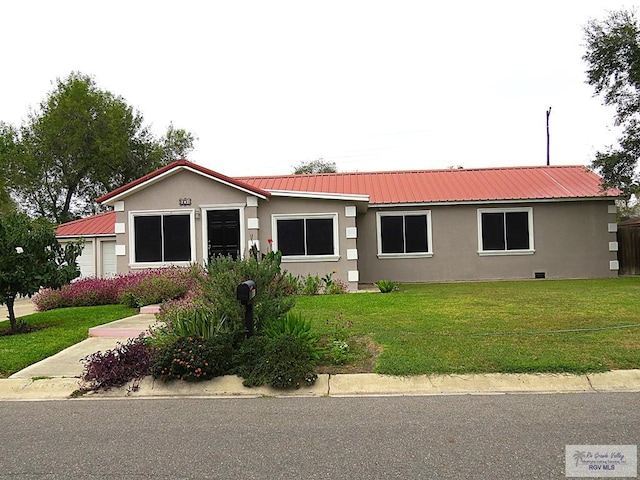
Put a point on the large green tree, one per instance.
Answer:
(31, 257)
(6, 202)
(80, 143)
(613, 69)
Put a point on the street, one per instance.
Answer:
(434, 437)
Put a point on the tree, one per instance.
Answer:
(315, 166)
(31, 257)
(613, 59)
(79, 144)
(6, 203)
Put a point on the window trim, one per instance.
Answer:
(526, 251)
(304, 216)
(403, 213)
(152, 213)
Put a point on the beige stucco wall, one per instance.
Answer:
(288, 205)
(165, 195)
(571, 240)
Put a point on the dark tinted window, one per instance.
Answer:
(415, 233)
(319, 236)
(391, 230)
(177, 238)
(493, 231)
(505, 231)
(291, 237)
(148, 238)
(517, 230)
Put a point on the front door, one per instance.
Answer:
(223, 231)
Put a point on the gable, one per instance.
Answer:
(169, 171)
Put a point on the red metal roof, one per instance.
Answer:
(100, 224)
(181, 164)
(453, 185)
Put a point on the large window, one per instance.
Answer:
(404, 233)
(162, 238)
(505, 230)
(306, 235)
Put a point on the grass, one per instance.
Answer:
(494, 326)
(57, 330)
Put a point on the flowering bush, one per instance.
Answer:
(195, 358)
(113, 368)
(136, 289)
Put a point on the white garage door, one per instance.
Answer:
(109, 268)
(85, 261)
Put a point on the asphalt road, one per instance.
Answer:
(437, 437)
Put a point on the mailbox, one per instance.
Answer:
(245, 292)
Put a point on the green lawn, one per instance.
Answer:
(494, 326)
(64, 327)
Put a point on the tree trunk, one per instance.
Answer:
(12, 315)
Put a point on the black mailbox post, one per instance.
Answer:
(245, 293)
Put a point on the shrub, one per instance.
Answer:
(283, 362)
(195, 358)
(48, 299)
(293, 324)
(387, 286)
(134, 289)
(198, 321)
(336, 287)
(311, 285)
(156, 286)
(273, 289)
(113, 368)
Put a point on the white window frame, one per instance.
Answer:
(527, 251)
(152, 213)
(305, 216)
(405, 213)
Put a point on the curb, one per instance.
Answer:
(339, 385)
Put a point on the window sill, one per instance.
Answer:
(140, 266)
(315, 258)
(383, 256)
(498, 253)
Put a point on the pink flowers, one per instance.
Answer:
(143, 287)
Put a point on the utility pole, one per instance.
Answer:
(548, 114)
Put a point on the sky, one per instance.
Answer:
(369, 85)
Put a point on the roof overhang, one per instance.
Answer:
(493, 202)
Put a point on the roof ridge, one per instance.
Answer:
(414, 171)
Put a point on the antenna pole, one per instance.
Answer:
(548, 158)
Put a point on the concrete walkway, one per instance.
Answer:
(22, 306)
(56, 377)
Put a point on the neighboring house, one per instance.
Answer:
(415, 226)
(98, 258)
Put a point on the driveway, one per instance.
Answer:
(22, 307)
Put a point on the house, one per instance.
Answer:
(98, 258)
(408, 226)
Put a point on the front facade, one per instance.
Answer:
(538, 222)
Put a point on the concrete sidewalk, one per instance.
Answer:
(56, 377)
(22, 306)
